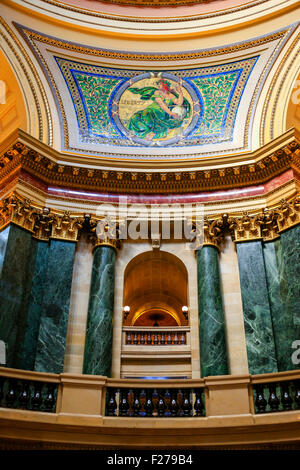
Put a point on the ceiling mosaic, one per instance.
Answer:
(136, 108)
(162, 105)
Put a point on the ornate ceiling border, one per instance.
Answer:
(30, 36)
(75, 9)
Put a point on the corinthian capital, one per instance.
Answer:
(246, 228)
(106, 233)
(65, 227)
(288, 214)
(19, 211)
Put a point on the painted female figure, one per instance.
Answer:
(166, 112)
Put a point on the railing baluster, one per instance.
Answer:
(161, 406)
(37, 399)
(286, 399)
(112, 403)
(273, 399)
(186, 406)
(297, 394)
(149, 405)
(155, 401)
(167, 401)
(11, 393)
(260, 401)
(174, 405)
(198, 406)
(142, 402)
(123, 404)
(24, 395)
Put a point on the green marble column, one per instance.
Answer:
(57, 283)
(17, 254)
(213, 354)
(257, 315)
(277, 289)
(98, 346)
(27, 359)
(290, 240)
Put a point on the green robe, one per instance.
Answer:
(154, 118)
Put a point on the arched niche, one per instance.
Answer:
(155, 289)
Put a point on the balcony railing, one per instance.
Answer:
(155, 402)
(34, 394)
(155, 336)
(276, 393)
(89, 410)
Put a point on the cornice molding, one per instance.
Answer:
(49, 169)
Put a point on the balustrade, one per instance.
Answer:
(158, 403)
(28, 395)
(155, 337)
(276, 396)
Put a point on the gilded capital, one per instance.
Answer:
(288, 214)
(246, 228)
(43, 224)
(65, 227)
(106, 233)
(18, 211)
(269, 227)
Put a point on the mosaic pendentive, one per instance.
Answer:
(135, 108)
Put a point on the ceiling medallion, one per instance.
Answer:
(156, 109)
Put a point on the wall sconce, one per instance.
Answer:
(126, 311)
(185, 311)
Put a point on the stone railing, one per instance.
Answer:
(32, 391)
(99, 411)
(276, 392)
(155, 336)
(155, 402)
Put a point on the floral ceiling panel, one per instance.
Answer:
(159, 106)
(136, 108)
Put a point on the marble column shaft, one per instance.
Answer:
(257, 315)
(98, 346)
(27, 359)
(55, 307)
(290, 240)
(17, 254)
(213, 353)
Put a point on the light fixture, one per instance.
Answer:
(126, 311)
(185, 311)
